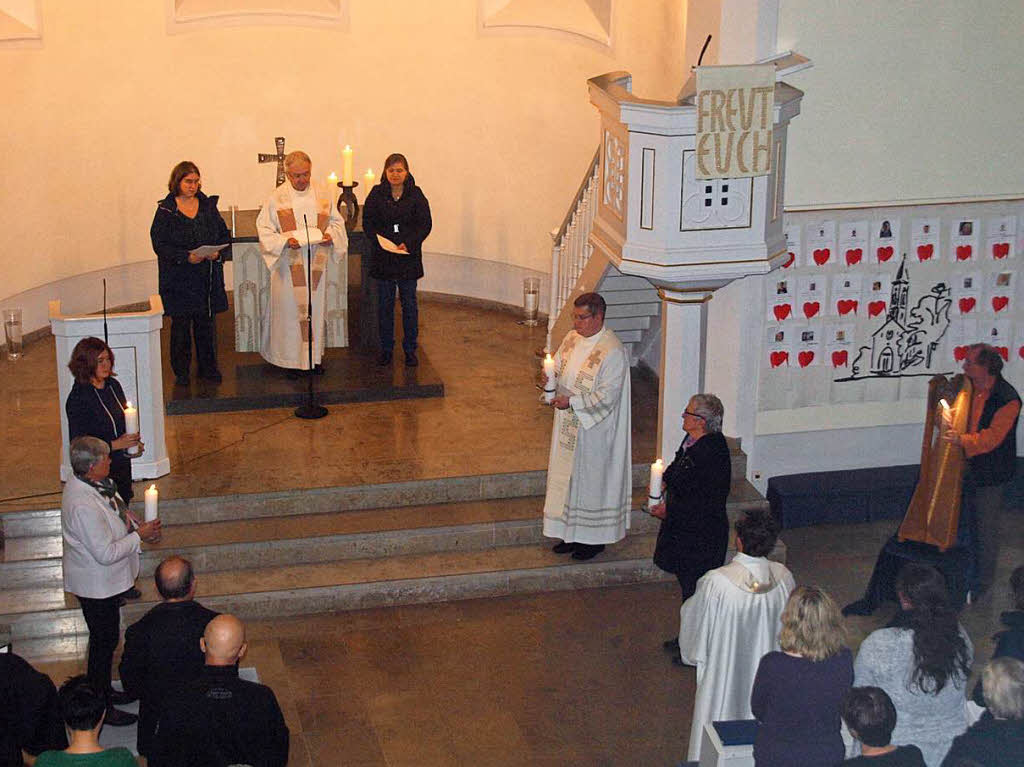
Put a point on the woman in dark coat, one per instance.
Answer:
(191, 285)
(95, 408)
(397, 210)
(694, 530)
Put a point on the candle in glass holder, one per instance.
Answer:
(369, 178)
(654, 488)
(332, 179)
(549, 379)
(346, 165)
(131, 422)
(152, 502)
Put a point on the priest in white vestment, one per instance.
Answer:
(589, 469)
(281, 226)
(732, 620)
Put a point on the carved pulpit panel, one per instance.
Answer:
(720, 203)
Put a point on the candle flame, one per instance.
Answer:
(547, 358)
(658, 462)
(128, 404)
(153, 488)
(945, 405)
(348, 148)
(332, 176)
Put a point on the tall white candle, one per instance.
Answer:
(152, 502)
(346, 165)
(654, 489)
(131, 422)
(549, 376)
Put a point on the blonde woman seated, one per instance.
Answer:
(798, 691)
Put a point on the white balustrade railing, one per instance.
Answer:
(571, 248)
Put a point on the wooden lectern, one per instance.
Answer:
(134, 338)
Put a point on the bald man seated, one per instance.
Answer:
(219, 719)
(161, 649)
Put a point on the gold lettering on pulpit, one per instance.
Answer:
(734, 121)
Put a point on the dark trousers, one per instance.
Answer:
(687, 584)
(183, 328)
(386, 313)
(980, 518)
(103, 617)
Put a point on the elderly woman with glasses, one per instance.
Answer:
(102, 542)
(694, 530)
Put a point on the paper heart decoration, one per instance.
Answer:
(924, 252)
(811, 308)
(960, 353)
(853, 256)
(963, 252)
(781, 311)
(999, 302)
(966, 304)
(1000, 250)
(805, 358)
(884, 254)
(847, 305)
(790, 260)
(875, 308)
(839, 358)
(1020, 352)
(821, 256)
(1004, 352)
(779, 358)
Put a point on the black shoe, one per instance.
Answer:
(120, 698)
(181, 380)
(214, 376)
(384, 358)
(410, 360)
(677, 660)
(132, 593)
(292, 374)
(564, 548)
(586, 551)
(318, 369)
(860, 607)
(672, 645)
(118, 718)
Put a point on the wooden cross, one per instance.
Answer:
(593, 359)
(279, 157)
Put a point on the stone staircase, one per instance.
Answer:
(331, 549)
(633, 305)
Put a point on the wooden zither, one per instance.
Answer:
(934, 511)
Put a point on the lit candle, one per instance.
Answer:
(549, 374)
(131, 422)
(346, 165)
(654, 489)
(332, 179)
(369, 178)
(234, 210)
(152, 501)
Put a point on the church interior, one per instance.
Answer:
(388, 559)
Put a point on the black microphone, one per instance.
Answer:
(310, 409)
(105, 312)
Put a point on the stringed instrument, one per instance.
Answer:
(934, 511)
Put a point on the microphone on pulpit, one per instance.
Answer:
(310, 409)
(105, 312)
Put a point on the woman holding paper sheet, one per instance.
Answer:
(397, 213)
(191, 275)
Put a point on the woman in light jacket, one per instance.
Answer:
(102, 542)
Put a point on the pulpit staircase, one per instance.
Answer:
(633, 303)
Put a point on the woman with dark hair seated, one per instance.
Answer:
(83, 708)
(797, 692)
(922, 660)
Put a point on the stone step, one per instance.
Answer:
(629, 323)
(646, 309)
(335, 536)
(619, 297)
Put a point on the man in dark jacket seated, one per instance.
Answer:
(30, 720)
(161, 649)
(219, 719)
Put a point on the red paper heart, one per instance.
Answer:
(821, 256)
(875, 308)
(999, 302)
(789, 262)
(884, 254)
(966, 304)
(839, 358)
(779, 358)
(963, 252)
(811, 308)
(1004, 352)
(847, 305)
(853, 256)
(1020, 352)
(960, 353)
(782, 311)
(1000, 250)
(924, 252)
(805, 358)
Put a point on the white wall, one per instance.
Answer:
(497, 126)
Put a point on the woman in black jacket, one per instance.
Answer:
(694, 530)
(191, 284)
(397, 211)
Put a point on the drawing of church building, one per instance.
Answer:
(889, 342)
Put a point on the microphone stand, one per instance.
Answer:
(105, 312)
(310, 409)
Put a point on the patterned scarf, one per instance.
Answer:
(108, 489)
